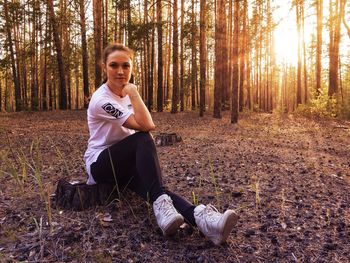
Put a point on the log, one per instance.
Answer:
(165, 139)
(78, 196)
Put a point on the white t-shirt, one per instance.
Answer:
(106, 114)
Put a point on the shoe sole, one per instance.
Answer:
(173, 226)
(230, 220)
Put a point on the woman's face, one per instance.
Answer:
(118, 68)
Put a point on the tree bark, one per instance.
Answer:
(18, 98)
(304, 53)
(160, 57)
(225, 84)
(97, 14)
(202, 56)
(319, 11)
(182, 36)
(235, 73)
(175, 98)
(85, 57)
(60, 61)
(248, 63)
(218, 68)
(297, 8)
(194, 59)
(242, 55)
(335, 22)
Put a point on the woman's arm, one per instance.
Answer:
(141, 120)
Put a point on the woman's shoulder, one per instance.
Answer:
(99, 95)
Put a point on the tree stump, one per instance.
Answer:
(80, 196)
(164, 139)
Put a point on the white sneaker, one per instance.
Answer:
(216, 226)
(168, 219)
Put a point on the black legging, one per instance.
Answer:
(136, 166)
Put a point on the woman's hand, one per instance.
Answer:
(141, 119)
(130, 89)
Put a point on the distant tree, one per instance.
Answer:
(167, 52)
(175, 99)
(304, 52)
(97, 14)
(225, 83)
(59, 55)
(235, 73)
(182, 59)
(194, 57)
(319, 12)
(160, 57)
(65, 25)
(219, 59)
(202, 56)
(242, 54)
(248, 62)
(84, 51)
(15, 74)
(335, 17)
(34, 85)
(298, 19)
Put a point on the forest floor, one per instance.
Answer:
(287, 176)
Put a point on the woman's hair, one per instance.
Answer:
(114, 47)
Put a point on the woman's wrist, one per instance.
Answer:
(131, 96)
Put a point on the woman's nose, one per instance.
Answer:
(120, 70)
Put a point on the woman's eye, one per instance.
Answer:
(126, 66)
(113, 65)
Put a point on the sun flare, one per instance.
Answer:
(286, 35)
(286, 45)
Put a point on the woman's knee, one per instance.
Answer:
(144, 137)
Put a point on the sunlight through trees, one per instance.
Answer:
(210, 56)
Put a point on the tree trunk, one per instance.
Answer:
(85, 57)
(248, 63)
(168, 57)
(218, 68)
(235, 73)
(182, 103)
(97, 14)
(67, 55)
(225, 88)
(335, 22)
(304, 53)
(242, 55)
(319, 11)
(202, 56)
(150, 68)
(43, 75)
(297, 8)
(60, 62)
(194, 59)
(34, 67)
(129, 24)
(160, 57)
(175, 99)
(15, 74)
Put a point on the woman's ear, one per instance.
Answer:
(103, 66)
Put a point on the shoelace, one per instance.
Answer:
(166, 207)
(211, 213)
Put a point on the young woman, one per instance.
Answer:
(122, 152)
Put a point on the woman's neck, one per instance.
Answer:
(116, 90)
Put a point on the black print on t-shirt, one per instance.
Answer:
(111, 110)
